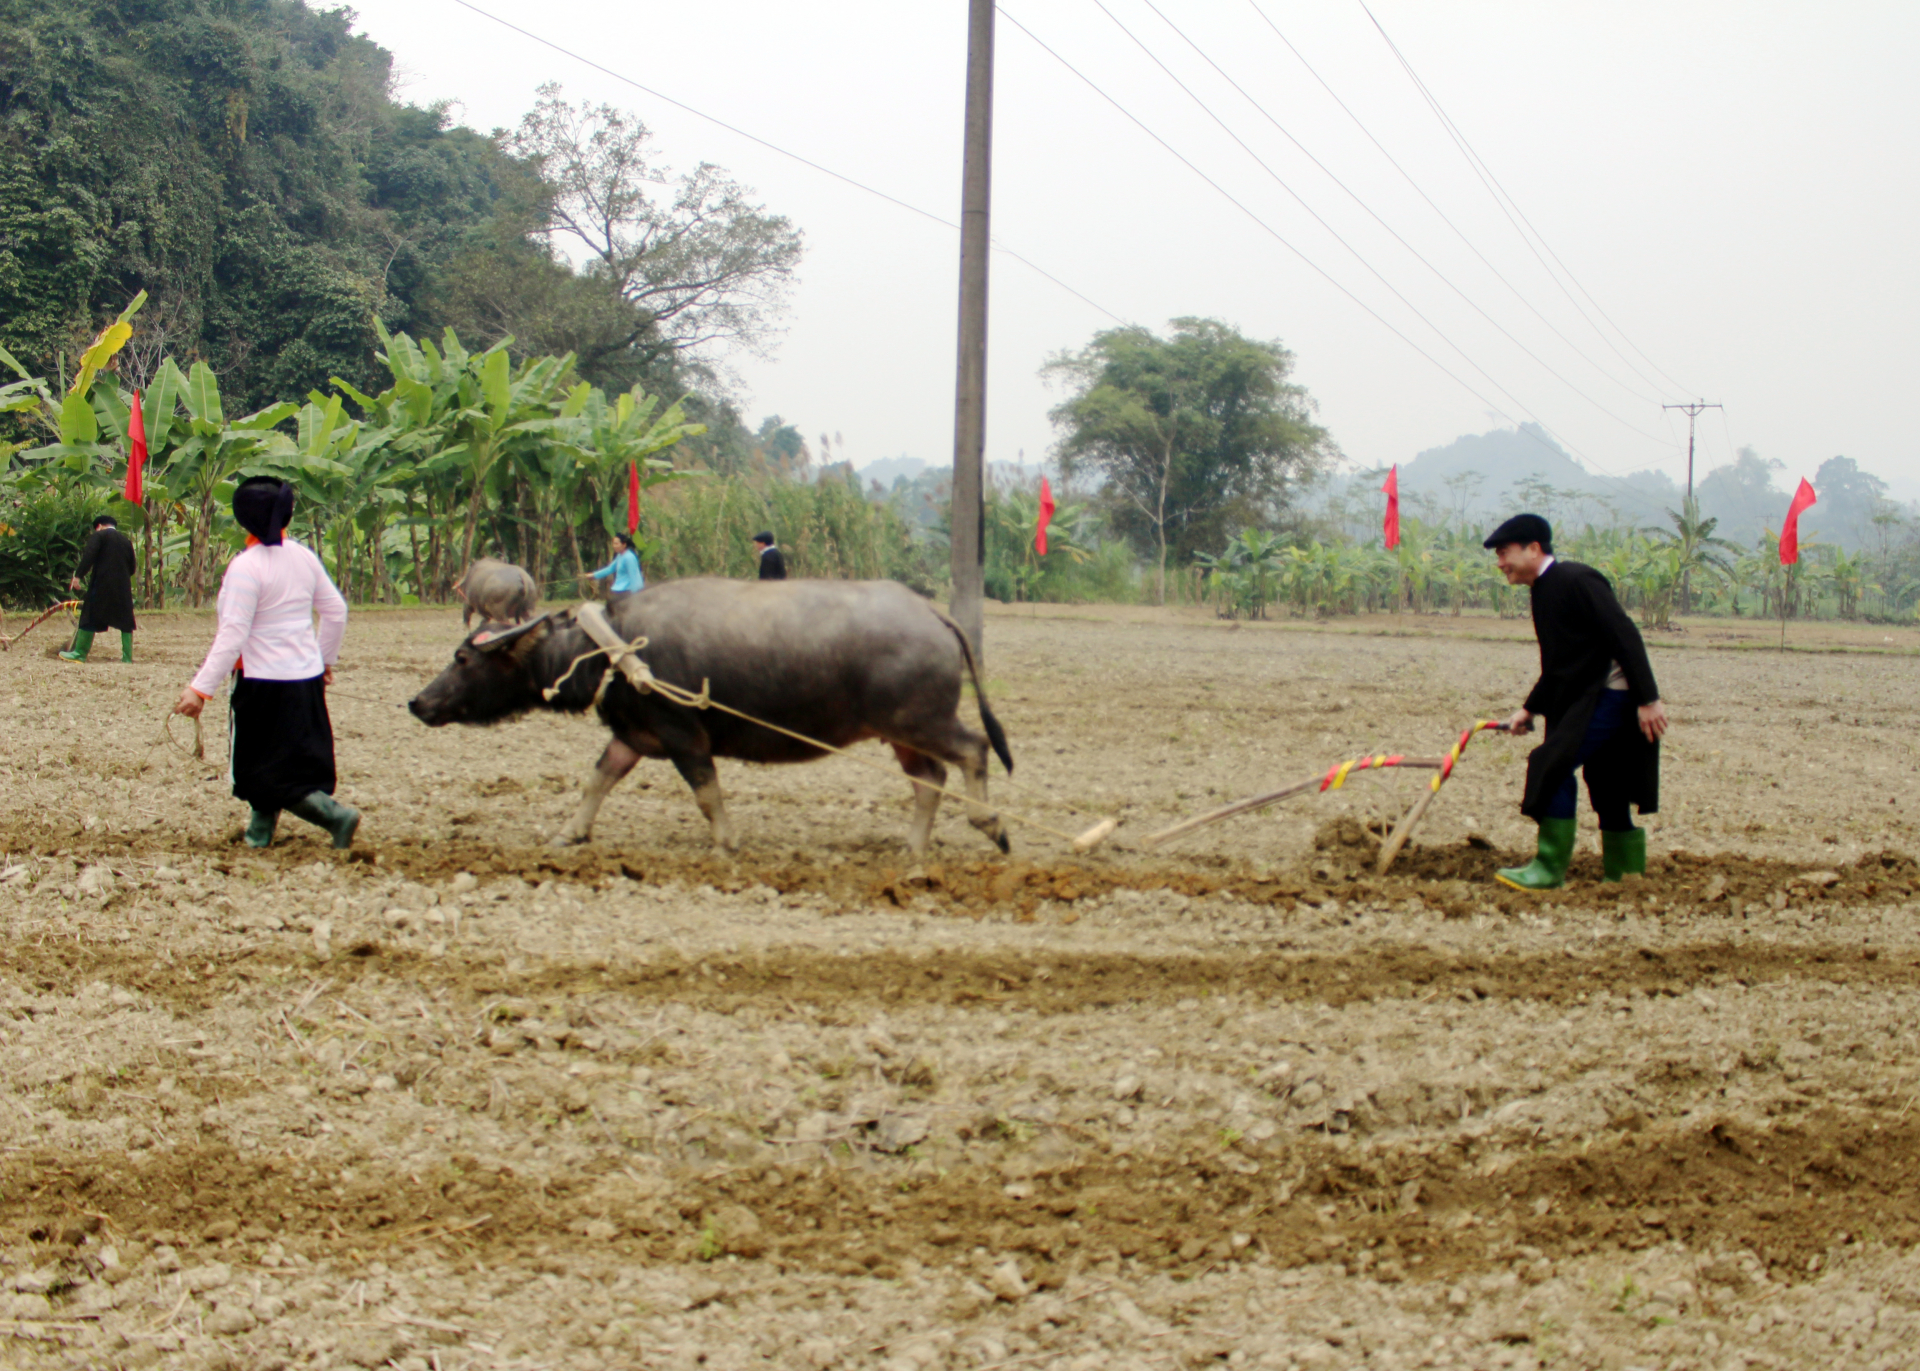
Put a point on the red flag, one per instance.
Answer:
(1392, 490)
(1046, 517)
(633, 497)
(1790, 531)
(136, 453)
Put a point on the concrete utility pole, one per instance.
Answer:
(1693, 410)
(970, 391)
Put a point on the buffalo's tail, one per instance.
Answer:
(995, 734)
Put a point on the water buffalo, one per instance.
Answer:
(838, 661)
(496, 590)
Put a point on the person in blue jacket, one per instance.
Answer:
(624, 568)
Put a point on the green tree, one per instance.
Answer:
(696, 263)
(1190, 433)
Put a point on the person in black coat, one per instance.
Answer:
(108, 558)
(1601, 705)
(773, 567)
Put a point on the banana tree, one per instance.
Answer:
(201, 469)
(84, 424)
(552, 464)
(612, 435)
(346, 470)
(411, 427)
(1847, 574)
(1696, 549)
(1013, 561)
(1246, 574)
(70, 419)
(488, 402)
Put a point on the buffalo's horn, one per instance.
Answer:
(489, 639)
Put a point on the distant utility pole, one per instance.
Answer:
(970, 392)
(1693, 412)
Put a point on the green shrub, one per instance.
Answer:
(41, 535)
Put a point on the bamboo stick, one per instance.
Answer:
(1408, 821)
(1247, 806)
(1402, 831)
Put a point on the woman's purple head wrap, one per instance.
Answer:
(263, 505)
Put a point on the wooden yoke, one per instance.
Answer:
(624, 655)
(620, 652)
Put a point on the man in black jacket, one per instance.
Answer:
(1597, 694)
(773, 567)
(108, 558)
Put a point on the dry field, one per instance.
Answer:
(465, 1101)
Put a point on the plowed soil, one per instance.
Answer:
(460, 1099)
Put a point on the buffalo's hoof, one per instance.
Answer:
(1000, 839)
(568, 839)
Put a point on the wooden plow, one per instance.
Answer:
(6, 642)
(1334, 778)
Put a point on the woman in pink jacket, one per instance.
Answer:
(280, 739)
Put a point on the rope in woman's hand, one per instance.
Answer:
(199, 749)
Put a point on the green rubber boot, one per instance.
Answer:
(1623, 854)
(82, 642)
(260, 827)
(126, 647)
(1552, 857)
(339, 820)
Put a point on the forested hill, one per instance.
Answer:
(244, 162)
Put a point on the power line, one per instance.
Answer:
(1418, 256)
(1557, 443)
(784, 152)
(1460, 233)
(1240, 205)
(564, 51)
(1502, 199)
(1317, 217)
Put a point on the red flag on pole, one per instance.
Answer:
(633, 497)
(1392, 489)
(136, 453)
(1046, 517)
(1790, 531)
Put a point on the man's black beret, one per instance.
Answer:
(1522, 529)
(766, 538)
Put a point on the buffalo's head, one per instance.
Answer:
(495, 674)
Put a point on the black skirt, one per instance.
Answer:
(281, 741)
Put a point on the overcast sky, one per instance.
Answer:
(1732, 184)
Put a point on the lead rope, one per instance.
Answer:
(199, 749)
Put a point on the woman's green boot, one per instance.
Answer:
(82, 641)
(339, 820)
(1552, 857)
(260, 827)
(1623, 854)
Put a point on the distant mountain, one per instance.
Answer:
(1483, 477)
(890, 469)
(1479, 475)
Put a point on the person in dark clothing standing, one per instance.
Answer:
(1601, 705)
(108, 559)
(773, 567)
